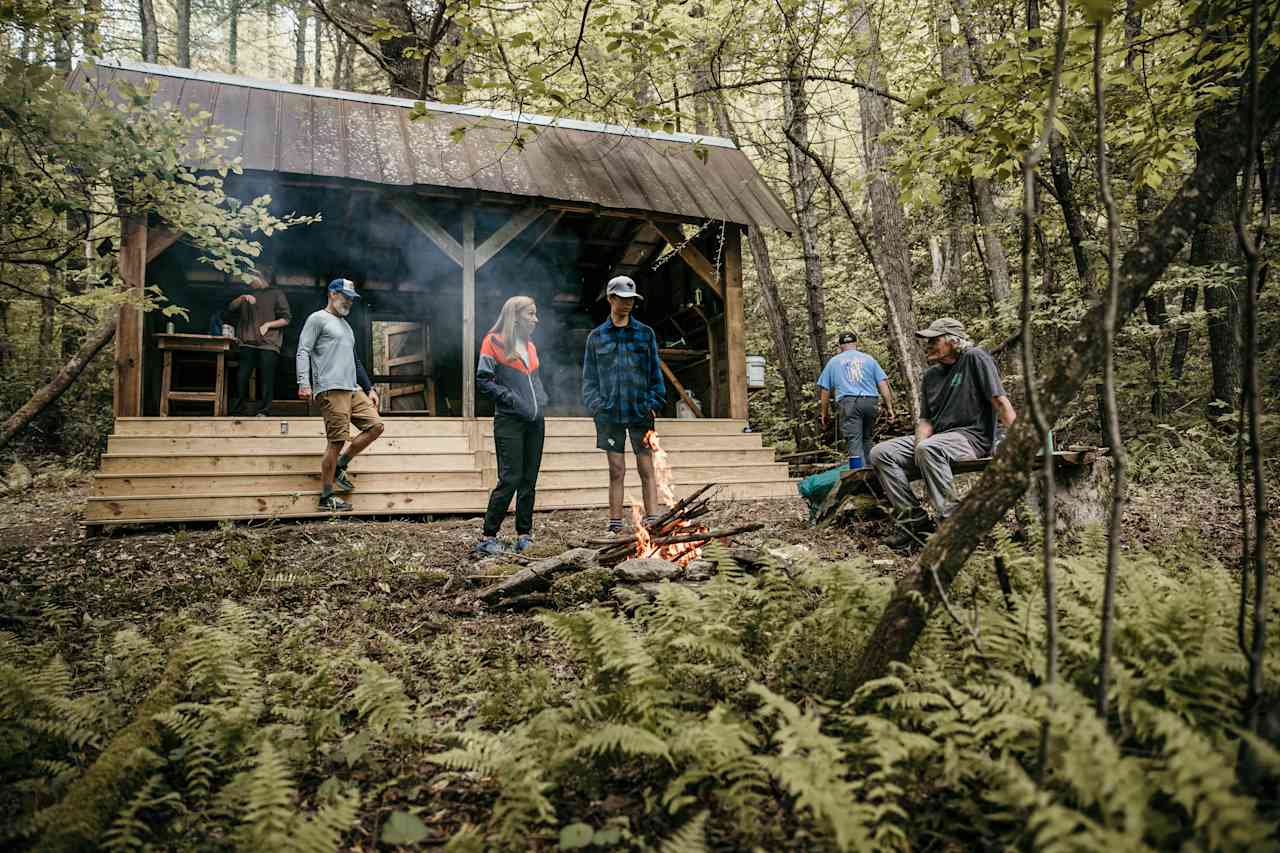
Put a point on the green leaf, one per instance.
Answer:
(403, 828)
(575, 836)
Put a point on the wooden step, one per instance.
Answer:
(587, 479)
(253, 484)
(265, 427)
(590, 460)
(684, 444)
(164, 508)
(149, 508)
(280, 444)
(292, 462)
(665, 426)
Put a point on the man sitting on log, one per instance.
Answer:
(961, 398)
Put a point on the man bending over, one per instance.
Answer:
(961, 399)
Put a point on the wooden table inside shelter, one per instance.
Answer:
(218, 347)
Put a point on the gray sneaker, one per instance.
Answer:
(489, 546)
(523, 542)
(333, 503)
(340, 481)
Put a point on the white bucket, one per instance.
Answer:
(755, 371)
(683, 412)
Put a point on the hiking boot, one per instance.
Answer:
(340, 481)
(910, 532)
(333, 503)
(523, 542)
(489, 546)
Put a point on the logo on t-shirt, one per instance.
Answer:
(854, 369)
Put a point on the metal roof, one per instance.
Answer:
(328, 133)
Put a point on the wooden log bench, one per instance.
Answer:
(1082, 485)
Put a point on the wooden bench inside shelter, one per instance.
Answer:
(1079, 482)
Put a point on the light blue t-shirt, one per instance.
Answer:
(852, 374)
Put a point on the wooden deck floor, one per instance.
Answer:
(206, 469)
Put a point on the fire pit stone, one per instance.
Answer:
(641, 569)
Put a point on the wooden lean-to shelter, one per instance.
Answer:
(438, 219)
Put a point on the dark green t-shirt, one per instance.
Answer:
(958, 397)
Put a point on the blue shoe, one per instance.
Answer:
(489, 546)
(523, 542)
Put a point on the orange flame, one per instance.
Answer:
(680, 553)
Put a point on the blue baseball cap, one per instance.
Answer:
(345, 287)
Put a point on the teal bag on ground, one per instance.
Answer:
(815, 487)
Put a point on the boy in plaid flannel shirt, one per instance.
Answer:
(622, 387)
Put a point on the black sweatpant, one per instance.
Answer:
(265, 361)
(519, 448)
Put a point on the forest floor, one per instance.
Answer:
(402, 582)
(410, 563)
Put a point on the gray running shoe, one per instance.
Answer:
(340, 481)
(333, 503)
(489, 546)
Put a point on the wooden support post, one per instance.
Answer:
(469, 310)
(684, 395)
(127, 395)
(434, 231)
(735, 323)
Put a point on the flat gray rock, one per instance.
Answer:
(639, 570)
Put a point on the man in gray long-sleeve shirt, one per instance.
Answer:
(329, 372)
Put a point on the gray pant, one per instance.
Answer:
(857, 419)
(898, 459)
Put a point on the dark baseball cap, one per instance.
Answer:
(848, 338)
(942, 326)
(624, 286)
(345, 287)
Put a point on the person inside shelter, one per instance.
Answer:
(961, 400)
(261, 316)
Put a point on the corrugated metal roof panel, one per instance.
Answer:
(306, 130)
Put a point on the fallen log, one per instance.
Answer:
(537, 576)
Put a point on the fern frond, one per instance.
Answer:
(690, 838)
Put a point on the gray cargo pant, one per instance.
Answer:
(898, 459)
(857, 420)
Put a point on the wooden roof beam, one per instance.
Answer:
(690, 254)
(510, 230)
(430, 229)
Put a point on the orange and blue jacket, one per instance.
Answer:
(515, 388)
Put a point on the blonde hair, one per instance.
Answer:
(505, 327)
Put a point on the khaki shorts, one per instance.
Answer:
(341, 409)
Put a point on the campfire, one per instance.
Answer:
(679, 526)
(675, 537)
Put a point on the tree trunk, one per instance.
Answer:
(340, 51)
(233, 33)
(887, 221)
(150, 38)
(47, 306)
(302, 14)
(1005, 481)
(803, 187)
(404, 71)
(994, 256)
(318, 51)
(183, 10)
(455, 78)
(954, 246)
(774, 308)
(349, 69)
(1182, 340)
(1064, 188)
(90, 34)
(68, 374)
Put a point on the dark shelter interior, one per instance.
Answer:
(409, 324)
